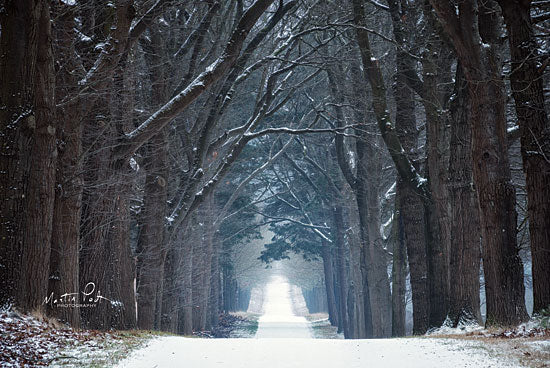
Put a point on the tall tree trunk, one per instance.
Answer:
(477, 51)
(373, 258)
(411, 207)
(465, 239)
(326, 255)
(399, 275)
(171, 290)
(351, 302)
(379, 279)
(151, 252)
(28, 153)
(503, 268)
(364, 319)
(418, 188)
(528, 92)
(437, 78)
(361, 317)
(197, 285)
(186, 287)
(152, 239)
(202, 256)
(367, 189)
(341, 273)
(66, 242)
(436, 73)
(412, 214)
(68, 195)
(336, 288)
(106, 259)
(373, 263)
(126, 263)
(95, 260)
(207, 270)
(215, 289)
(403, 96)
(177, 303)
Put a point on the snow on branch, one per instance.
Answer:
(255, 173)
(303, 224)
(285, 130)
(213, 73)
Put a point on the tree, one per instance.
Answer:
(465, 237)
(532, 116)
(411, 206)
(27, 160)
(475, 40)
(65, 242)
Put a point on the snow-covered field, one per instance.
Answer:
(284, 340)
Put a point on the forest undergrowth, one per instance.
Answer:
(37, 341)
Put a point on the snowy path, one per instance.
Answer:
(284, 340)
(304, 353)
(278, 320)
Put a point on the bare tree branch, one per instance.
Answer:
(179, 103)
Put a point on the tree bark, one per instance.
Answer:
(28, 153)
(106, 259)
(437, 78)
(399, 275)
(170, 297)
(202, 257)
(126, 263)
(373, 257)
(436, 73)
(528, 92)
(329, 283)
(465, 231)
(341, 267)
(197, 282)
(152, 242)
(412, 214)
(360, 318)
(491, 170)
(215, 290)
(187, 286)
(411, 206)
(177, 291)
(151, 252)
(365, 188)
(68, 195)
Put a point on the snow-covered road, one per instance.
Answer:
(306, 353)
(284, 340)
(278, 320)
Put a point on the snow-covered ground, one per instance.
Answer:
(30, 341)
(303, 353)
(284, 340)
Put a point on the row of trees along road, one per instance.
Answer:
(145, 143)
